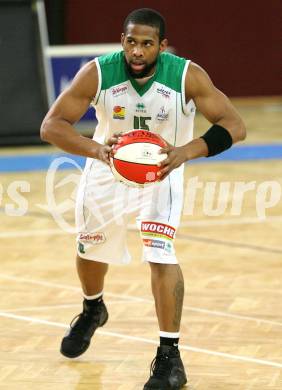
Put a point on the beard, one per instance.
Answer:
(139, 75)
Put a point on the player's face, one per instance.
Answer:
(141, 47)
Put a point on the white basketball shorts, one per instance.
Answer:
(104, 207)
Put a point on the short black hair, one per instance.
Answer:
(147, 17)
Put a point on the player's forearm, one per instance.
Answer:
(62, 134)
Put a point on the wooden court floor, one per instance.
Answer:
(231, 336)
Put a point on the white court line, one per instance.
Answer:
(231, 221)
(200, 223)
(142, 300)
(148, 341)
(57, 307)
(31, 232)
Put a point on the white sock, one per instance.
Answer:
(91, 297)
(169, 335)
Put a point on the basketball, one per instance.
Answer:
(136, 157)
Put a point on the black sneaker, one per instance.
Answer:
(167, 370)
(82, 328)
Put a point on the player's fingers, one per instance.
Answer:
(161, 178)
(166, 149)
(163, 171)
(106, 158)
(117, 134)
(117, 137)
(167, 143)
(107, 149)
(164, 162)
(113, 139)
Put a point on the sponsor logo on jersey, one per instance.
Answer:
(92, 238)
(154, 243)
(140, 107)
(164, 92)
(157, 229)
(162, 115)
(118, 112)
(118, 91)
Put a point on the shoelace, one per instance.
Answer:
(160, 366)
(81, 322)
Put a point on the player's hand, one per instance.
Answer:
(175, 157)
(114, 139)
(104, 151)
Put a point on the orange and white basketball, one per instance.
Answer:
(136, 156)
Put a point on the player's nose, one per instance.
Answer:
(137, 51)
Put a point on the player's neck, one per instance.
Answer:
(144, 79)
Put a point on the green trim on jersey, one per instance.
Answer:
(169, 72)
(141, 89)
(112, 69)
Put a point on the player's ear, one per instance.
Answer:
(122, 38)
(163, 45)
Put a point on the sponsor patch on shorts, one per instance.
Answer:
(154, 243)
(81, 248)
(156, 229)
(92, 238)
(165, 245)
(169, 248)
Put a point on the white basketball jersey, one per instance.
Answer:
(159, 105)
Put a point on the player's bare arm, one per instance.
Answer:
(217, 108)
(57, 127)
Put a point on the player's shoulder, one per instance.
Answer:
(196, 69)
(87, 74)
(111, 59)
(85, 81)
(112, 69)
(197, 81)
(196, 74)
(170, 70)
(171, 59)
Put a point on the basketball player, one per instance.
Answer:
(140, 87)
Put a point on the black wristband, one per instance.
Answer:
(218, 139)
